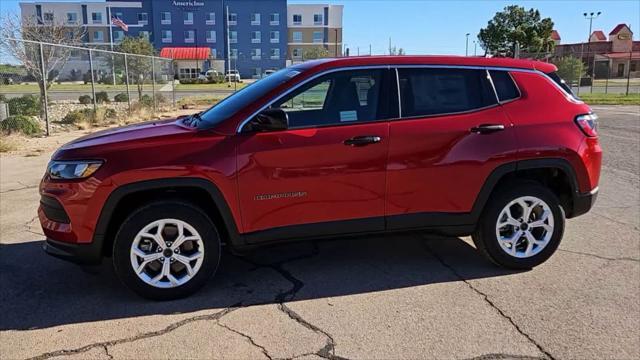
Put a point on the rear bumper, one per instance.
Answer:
(582, 203)
(84, 254)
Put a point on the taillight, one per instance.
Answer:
(588, 123)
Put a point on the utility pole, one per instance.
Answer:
(475, 46)
(228, 48)
(369, 49)
(466, 47)
(389, 45)
(590, 17)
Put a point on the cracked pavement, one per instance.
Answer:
(402, 296)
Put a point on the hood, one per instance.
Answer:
(133, 135)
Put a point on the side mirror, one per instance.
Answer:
(269, 120)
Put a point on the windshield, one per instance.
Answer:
(240, 99)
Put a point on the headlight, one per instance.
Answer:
(72, 169)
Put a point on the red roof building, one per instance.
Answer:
(186, 53)
(555, 35)
(598, 35)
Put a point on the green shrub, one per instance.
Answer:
(3, 99)
(74, 117)
(110, 113)
(85, 99)
(122, 97)
(28, 105)
(146, 100)
(26, 125)
(102, 97)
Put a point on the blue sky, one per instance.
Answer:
(439, 27)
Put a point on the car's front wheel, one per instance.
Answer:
(521, 226)
(166, 250)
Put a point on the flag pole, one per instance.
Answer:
(113, 65)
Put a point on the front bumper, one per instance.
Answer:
(84, 254)
(582, 203)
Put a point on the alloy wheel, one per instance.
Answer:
(524, 227)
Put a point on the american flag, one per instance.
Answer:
(119, 23)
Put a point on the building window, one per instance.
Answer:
(274, 37)
(275, 54)
(118, 15)
(96, 18)
(256, 37)
(214, 53)
(188, 73)
(188, 18)
(255, 19)
(69, 35)
(118, 35)
(274, 19)
(297, 53)
(297, 37)
(257, 72)
(318, 37)
(256, 54)
(233, 18)
(98, 36)
(297, 19)
(144, 34)
(211, 18)
(189, 36)
(234, 54)
(233, 37)
(143, 19)
(165, 18)
(72, 18)
(48, 17)
(167, 36)
(317, 19)
(211, 36)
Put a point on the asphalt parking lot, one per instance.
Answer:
(403, 296)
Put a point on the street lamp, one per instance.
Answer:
(590, 17)
(475, 46)
(466, 48)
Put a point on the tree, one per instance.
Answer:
(27, 53)
(315, 52)
(570, 68)
(396, 51)
(516, 25)
(139, 66)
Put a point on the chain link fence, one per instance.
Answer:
(66, 85)
(598, 72)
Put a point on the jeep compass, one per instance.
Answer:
(498, 149)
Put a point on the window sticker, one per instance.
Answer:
(348, 115)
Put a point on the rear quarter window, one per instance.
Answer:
(505, 87)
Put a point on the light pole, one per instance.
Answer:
(590, 17)
(475, 47)
(466, 47)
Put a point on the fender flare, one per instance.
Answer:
(106, 214)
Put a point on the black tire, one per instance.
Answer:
(485, 237)
(149, 213)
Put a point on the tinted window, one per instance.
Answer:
(561, 83)
(337, 98)
(505, 87)
(431, 91)
(240, 99)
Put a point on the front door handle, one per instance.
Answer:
(487, 128)
(362, 140)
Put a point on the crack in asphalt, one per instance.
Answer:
(487, 300)
(262, 348)
(106, 351)
(166, 330)
(18, 189)
(504, 356)
(600, 256)
(327, 351)
(634, 227)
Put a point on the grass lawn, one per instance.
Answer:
(199, 100)
(611, 99)
(223, 86)
(33, 88)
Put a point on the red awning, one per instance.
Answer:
(186, 53)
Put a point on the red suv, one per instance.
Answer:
(498, 149)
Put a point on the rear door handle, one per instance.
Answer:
(362, 140)
(487, 128)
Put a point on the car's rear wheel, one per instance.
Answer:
(521, 226)
(166, 250)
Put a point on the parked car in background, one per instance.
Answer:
(499, 149)
(268, 72)
(232, 75)
(208, 75)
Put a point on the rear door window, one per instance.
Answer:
(505, 87)
(435, 91)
